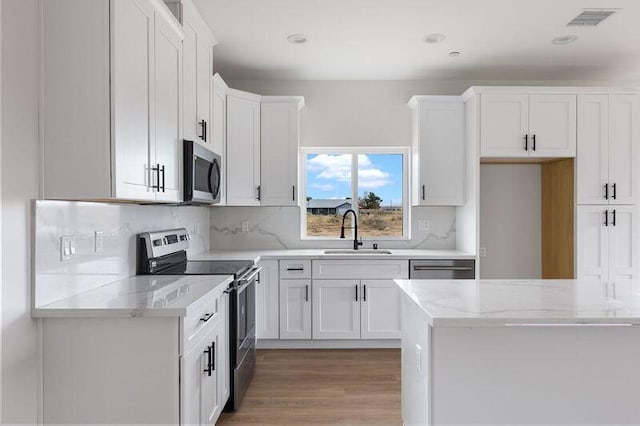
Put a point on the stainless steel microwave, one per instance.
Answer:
(202, 174)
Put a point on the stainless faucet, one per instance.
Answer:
(356, 243)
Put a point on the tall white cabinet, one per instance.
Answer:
(438, 150)
(607, 187)
(115, 101)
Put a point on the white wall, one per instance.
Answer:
(20, 182)
(510, 221)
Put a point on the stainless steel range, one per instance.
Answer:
(164, 253)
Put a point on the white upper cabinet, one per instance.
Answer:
(438, 150)
(243, 149)
(280, 143)
(115, 101)
(504, 125)
(607, 159)
(523, 125)
(219, 127)
(623, 149)
(198, 70)
(168, 110)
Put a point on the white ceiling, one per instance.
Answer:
(382, 39)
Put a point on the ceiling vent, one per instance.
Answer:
(591, 18)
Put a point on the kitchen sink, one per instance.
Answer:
(361, 251)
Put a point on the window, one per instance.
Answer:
(375, 178)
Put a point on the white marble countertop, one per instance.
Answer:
(138, 296)
(320, 254)
(465, 303)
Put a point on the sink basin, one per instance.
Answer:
(361, 251)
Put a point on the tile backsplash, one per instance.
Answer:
(279, 228)
(119, 223)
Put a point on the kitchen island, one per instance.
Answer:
(520, 352)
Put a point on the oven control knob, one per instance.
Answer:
(157, 243)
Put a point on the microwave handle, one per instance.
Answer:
(215, 190)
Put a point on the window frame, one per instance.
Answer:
(355, 151)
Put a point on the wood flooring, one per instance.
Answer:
(322, 387)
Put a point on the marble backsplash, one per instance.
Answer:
(279, 228)
(119, 223)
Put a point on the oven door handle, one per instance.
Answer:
(250, 276)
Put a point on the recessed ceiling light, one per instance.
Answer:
(297, 39)
(434, 38)
(454, 54)
(566, 39)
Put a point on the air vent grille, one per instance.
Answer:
(591, 18)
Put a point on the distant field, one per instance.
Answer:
(373, 223)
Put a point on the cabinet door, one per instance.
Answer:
(552, 122)
(504, 125)
(193, 377)
(243, 149)
(267, 301)
(133, 98)
(190, 72)
(336, 309)
(623, 243)
(279, 144)
(380, 310)
(441, 153)
(219, 127)
(593, 149)
(295, 309)
(204, 74)
(623, 148)
(168, 109)
(210, 403)
(592, 247)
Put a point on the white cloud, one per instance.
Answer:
(338, 167)
(326, 187)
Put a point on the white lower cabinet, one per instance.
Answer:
(139, 370)
(336, 309)
(267, 301)
(607, 242)
(380, 310)
(295, 309)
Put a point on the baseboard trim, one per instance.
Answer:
(327, 344)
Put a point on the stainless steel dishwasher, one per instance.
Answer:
(442, 269)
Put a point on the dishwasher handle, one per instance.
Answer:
(442, 268)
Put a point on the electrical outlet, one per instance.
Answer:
(483, 252)
(424, 225)
(99, 241)
(196, 228)
(67, 248)
(245, 226)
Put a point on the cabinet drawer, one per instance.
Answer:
(295, 269)
(202, 316)
(360, 269)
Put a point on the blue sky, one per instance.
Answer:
(329, 176)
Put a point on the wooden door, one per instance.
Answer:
(592, 249)
(593, 150)
(623, 148)
(504, 123)
(336, 309)
(295, 309)
(380, 310)
(552, 125)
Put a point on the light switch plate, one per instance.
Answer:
(245, 226)
(483, 252)
(67, 248)
(424, 225)
(99, 241)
